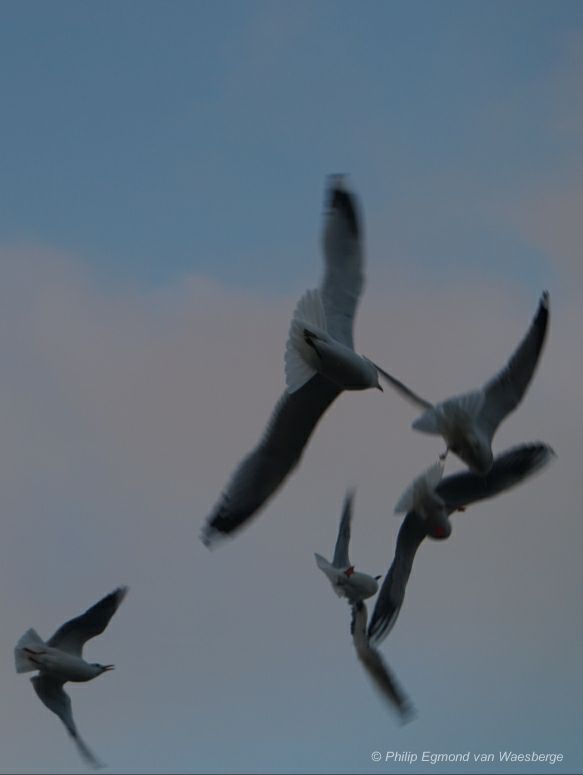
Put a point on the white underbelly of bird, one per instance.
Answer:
(67, 666)
(340, 364)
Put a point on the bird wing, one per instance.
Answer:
(295, 416)
(72, 635)
(406, 392)
(340, 559)
(260, 474)
(392, 592)
(51, 693)
(457, 491)
(375, 665)
(343, 256)
(508, 469)
(504, 392)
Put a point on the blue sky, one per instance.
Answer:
(152, 138)
(161, 187)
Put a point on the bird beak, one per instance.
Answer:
(380, 387)
(376, 578)
(106, 668)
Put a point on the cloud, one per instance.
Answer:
(547, 211)
(124, 413)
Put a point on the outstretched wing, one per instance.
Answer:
(261, 473)
(392, 592)
(406, 392)
(50, 692)
(504, 392)
(375, 665)
(508, 469)
(344, 262)
(343, 540)
(72, 635)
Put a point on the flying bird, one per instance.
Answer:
(320, 363)
(467, 422)
(453, 493)
(347, 582)
(356, 587)
(375, 665)
(60, 660)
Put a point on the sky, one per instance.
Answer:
(162, 174)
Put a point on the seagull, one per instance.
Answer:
(347, 582)
(451, 494)
(356, 587)
(467, 422)
(320, 363)
(60, 660)
(376, 666)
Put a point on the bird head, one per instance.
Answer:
(103, 668)
(439, 528)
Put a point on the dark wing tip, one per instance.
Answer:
(542, 454)
(211, 537)
(348, 504)
(343, 201)
(545, 299)
(117, 596)
(408, 712)
(527, 458)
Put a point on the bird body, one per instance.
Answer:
(60, 660)
(346, 582)
(467, 422)
(311, 350)
(356, 587)
(296, 414)
(422, 498)
(33, 654)
(455, 493)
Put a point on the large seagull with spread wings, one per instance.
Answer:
(320, 362)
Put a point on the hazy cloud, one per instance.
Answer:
(125, 413)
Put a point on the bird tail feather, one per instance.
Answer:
(31, 641)
(308, 315)
(428, 422)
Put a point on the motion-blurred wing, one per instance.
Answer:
(343, 541)
(75, 633)
(375, 665)
(344, 273)
(509, 469)
(504, 392)
(406, 392)
(51, 694)
(261, 473)
(392, 592)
